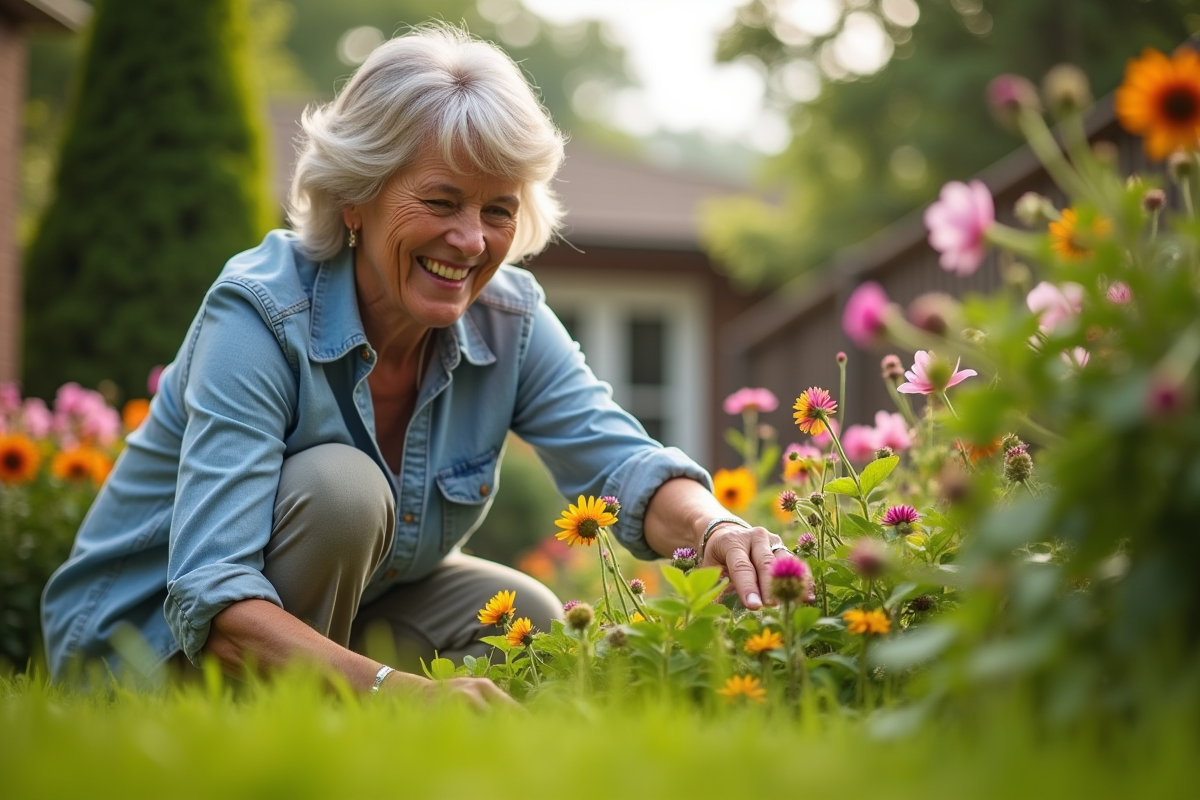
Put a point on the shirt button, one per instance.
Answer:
(365, 353)
(391, 573)
(408, 517)
(483, 490)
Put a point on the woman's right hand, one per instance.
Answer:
(479, 693)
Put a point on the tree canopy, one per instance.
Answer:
(867, 148)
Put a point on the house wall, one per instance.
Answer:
(12, 86)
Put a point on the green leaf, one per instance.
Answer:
(670, 607)
(837, 659)
(700, 581)
(915, 646)
(736, 440)
(859, 524)
(499, 642)
(842, 486)
(676, 578)
(705, 600)
(902, 592)
(697, 636)
(441, 669)
(805, 617)
(767, 462)
(874, 473)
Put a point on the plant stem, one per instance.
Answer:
(789, 646)
(622, 584)
(604, 584)
(533, 662)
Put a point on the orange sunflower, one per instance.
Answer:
(861, 622)
(734, 488)
(19, 459)
(763, 641)
(1159, 100)
(499, 610)
(134, 413)
(79, 464)
(581, 523)
(1065, 234)
(746, 686)
(521, 633)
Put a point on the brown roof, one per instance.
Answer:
(68, 15)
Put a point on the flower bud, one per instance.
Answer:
(767, 432)
(884, 452)
(806, 543)
(921, 603)
(684, 558)
(1065, 90)
(1181, 165)
(637, 586)
(935, 312)
(1008, 95)
(841, 357)
(817, 499)
(580, 617)
(610, 504)
(813, 520)
(892, 368)
(974, 335)
(1034, 210)
(868, 557)
(616, 638)
(1009, 441)
(567, 606)
(939, 372)
(788, 500)
(1018, 464)
(1154, 200)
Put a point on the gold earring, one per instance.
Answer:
(353, 238)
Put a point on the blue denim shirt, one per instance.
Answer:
(276, 362)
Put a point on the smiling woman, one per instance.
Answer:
(332, 428)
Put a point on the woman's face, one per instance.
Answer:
(430, 241)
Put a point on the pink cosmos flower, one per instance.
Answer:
(10, 397)
(747, 398)
(919, 380)
(1076, 357)
(1119, 292)
(82, 414)
(860, 443)
(957, 223)
(1054, 304)
(36, 418)
(862, 319)
(892, 431)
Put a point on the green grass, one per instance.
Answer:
(290, 740)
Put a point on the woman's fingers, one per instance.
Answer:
(746, 555)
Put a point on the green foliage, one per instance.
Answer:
(161, 179)
(870, 148)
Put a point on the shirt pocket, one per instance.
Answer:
(467, 489)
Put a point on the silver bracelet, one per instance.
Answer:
(712, 526)
(384, 671)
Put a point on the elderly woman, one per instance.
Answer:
(332, 427)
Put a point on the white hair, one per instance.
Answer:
(434, 86)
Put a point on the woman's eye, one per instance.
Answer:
(439, 204)
(500, 211)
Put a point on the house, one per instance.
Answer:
(17, 19)
(631, 283)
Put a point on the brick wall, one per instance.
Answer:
(12, 81)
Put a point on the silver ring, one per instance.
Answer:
(775, 548)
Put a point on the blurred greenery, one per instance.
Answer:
(293, 739)
(867, 148)
(162, 178)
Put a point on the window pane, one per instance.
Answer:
(647, 357)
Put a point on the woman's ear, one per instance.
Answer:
(351, 217)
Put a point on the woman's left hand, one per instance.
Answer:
(746, 555)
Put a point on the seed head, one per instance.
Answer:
(1154, 200)
(1065, 90)
(806, 543)
(788, 500)
(1018, 464)
(637, 586)
(580, 617)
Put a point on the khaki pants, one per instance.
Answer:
(333, 526)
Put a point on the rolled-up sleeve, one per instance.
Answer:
(239, 395)
(590, 445)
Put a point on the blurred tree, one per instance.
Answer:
(160, 180)
(571, 64)
(886, 102)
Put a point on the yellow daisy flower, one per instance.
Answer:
(499, 610)
(581, 523)
(19, 459)
(860, 622)
(813, 409)
(734, 488)
(521, 633)
(746, 686)
(1065, 235)
(763, 641)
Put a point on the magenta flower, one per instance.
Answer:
(868, 557)
(806, 542)
(860, 443)
(36, 418)
(1119, 292)
(957, 223)
(1007, 94)
(791, 579)
(788, 500)
(892, 431)
(567, 606)
(862, 319)
(898, 514)
(921, 382)
(1054, 304)
(747, 398)
(153, 378)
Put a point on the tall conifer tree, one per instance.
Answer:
(161, 179)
